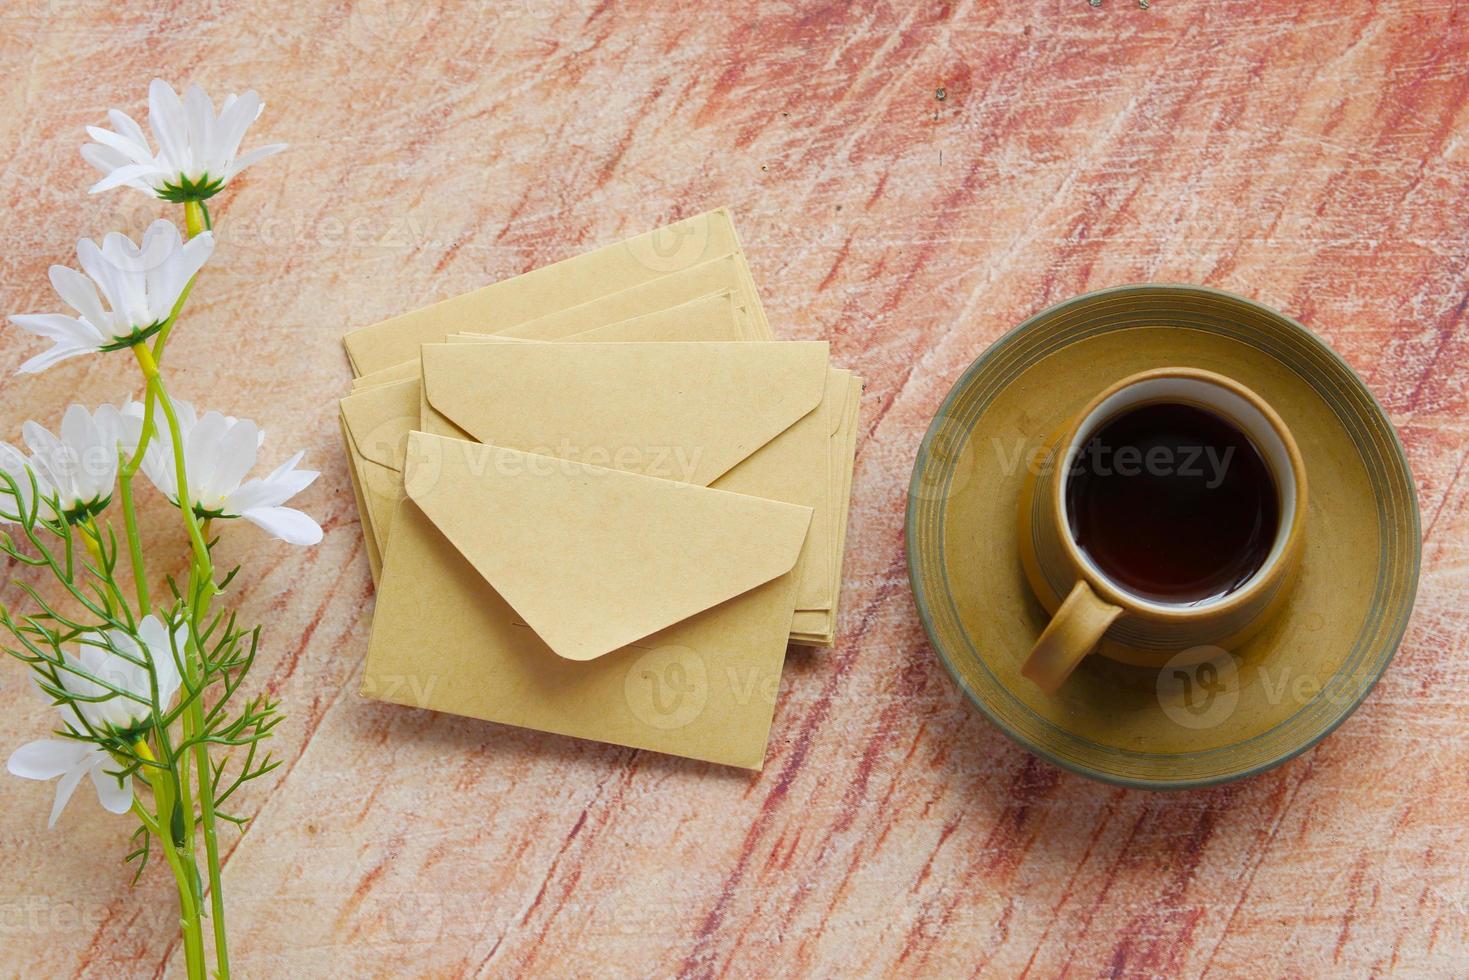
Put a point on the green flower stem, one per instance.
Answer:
(202, 575)
(173, 316)
(156, 390)
(106, 566)
(195, 217)
(185, 874)
(94, 549)
(205, 776)
(135, 541)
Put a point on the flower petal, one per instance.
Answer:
(155, 638)
(272, 491)
(202, 449)
(116, 796)
(104, 158)
(47, 758)
(132, 174)
(200, 114)
(60, 328)
(237, 453)
(286, 523)
(112, 266)
(80, 293)
(169, 125)
(64, 789)
(55, 355)
(175, 275)
(255, 156)
(127, 127)
(128, 149)
(234, 119)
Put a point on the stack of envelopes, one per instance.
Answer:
(599, 498)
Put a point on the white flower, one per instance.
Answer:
(79, 469)
(70, 759)
(94, 656)
(196, 149)
(219, 451)
(139, 286)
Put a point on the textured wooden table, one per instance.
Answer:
(910, 180)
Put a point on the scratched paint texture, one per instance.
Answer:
(1313, 156)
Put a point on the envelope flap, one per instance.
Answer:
(378, 419)
(681, 411)
(593, 559)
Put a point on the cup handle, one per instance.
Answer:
(1072, 633)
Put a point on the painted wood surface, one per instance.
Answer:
(910, 180)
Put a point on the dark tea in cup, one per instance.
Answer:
(1173, 502)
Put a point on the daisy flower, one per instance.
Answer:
(94, 655)
(219, 451)
(72, 758)
(197, 149)
(128, 293)
(77, 470)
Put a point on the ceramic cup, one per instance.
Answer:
(1089, 610)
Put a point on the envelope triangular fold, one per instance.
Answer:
(379, 420)
(594, 559)
(693, 397)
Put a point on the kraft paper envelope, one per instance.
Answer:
(815, 619)
(376, 420)
(716, 275)
(712, 316)
(567, 283)
(724, 274)
(375, 426)
(819, 626)
(655, 613)
(369, 538)
(747, 417)
(715, 316)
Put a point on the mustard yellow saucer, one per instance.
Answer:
(1201, 719)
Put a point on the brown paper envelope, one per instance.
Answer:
(819, 626)
(711, 316)
(376, 423)
(708, 318)
(381, 412)
(398, 372)
(837, 478)
(727, 272)
(590, 557)
(563, 284)
(369, 537)
(746, 417)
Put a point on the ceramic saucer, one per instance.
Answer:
(1200, 720)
